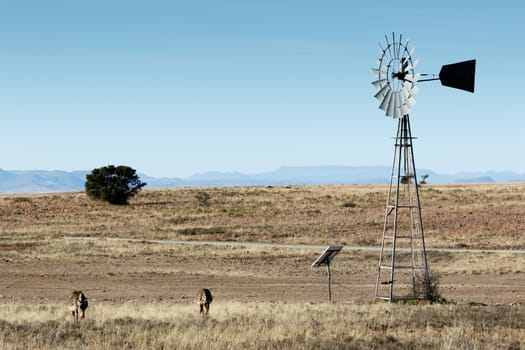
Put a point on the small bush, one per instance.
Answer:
(193, 231)
(203, 198)
(349, 204)
(21, 200)
(113, 184)
(431, 291)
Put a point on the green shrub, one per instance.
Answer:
(113, 184)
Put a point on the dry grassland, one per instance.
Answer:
(473, 216)
(142, 294)
(265, 326)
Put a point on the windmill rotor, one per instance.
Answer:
(396, 79)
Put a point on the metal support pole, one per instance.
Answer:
(403, 269)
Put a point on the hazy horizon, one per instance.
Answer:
(280, 168)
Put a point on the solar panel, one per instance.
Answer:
(327, 256)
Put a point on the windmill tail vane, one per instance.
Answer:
(459, 75)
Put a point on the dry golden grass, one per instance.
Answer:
(264, 326)
(474, 216)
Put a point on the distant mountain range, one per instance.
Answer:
(40, 181)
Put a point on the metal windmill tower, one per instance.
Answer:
(403, 267)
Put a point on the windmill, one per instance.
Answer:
(403, 267)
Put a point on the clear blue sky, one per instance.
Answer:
(174, 88)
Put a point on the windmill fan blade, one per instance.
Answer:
(408, 94)
(397, 105)
(391, 106)
(379, 72)
(381, 64)
(405, 92)
(459, 75)
(412, 78)
(404, 109)
(411, 101)
(382, 92)
(386, 101)
(378, 84)
(414, 64)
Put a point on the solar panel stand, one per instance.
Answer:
(403, 268)
(326, 259)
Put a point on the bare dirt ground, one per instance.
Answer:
(40, 264)
(154, 273)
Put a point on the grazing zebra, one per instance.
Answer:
(78, 304)
(205, 300)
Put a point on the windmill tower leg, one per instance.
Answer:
(403, 268)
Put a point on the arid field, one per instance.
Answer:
(142, 294)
